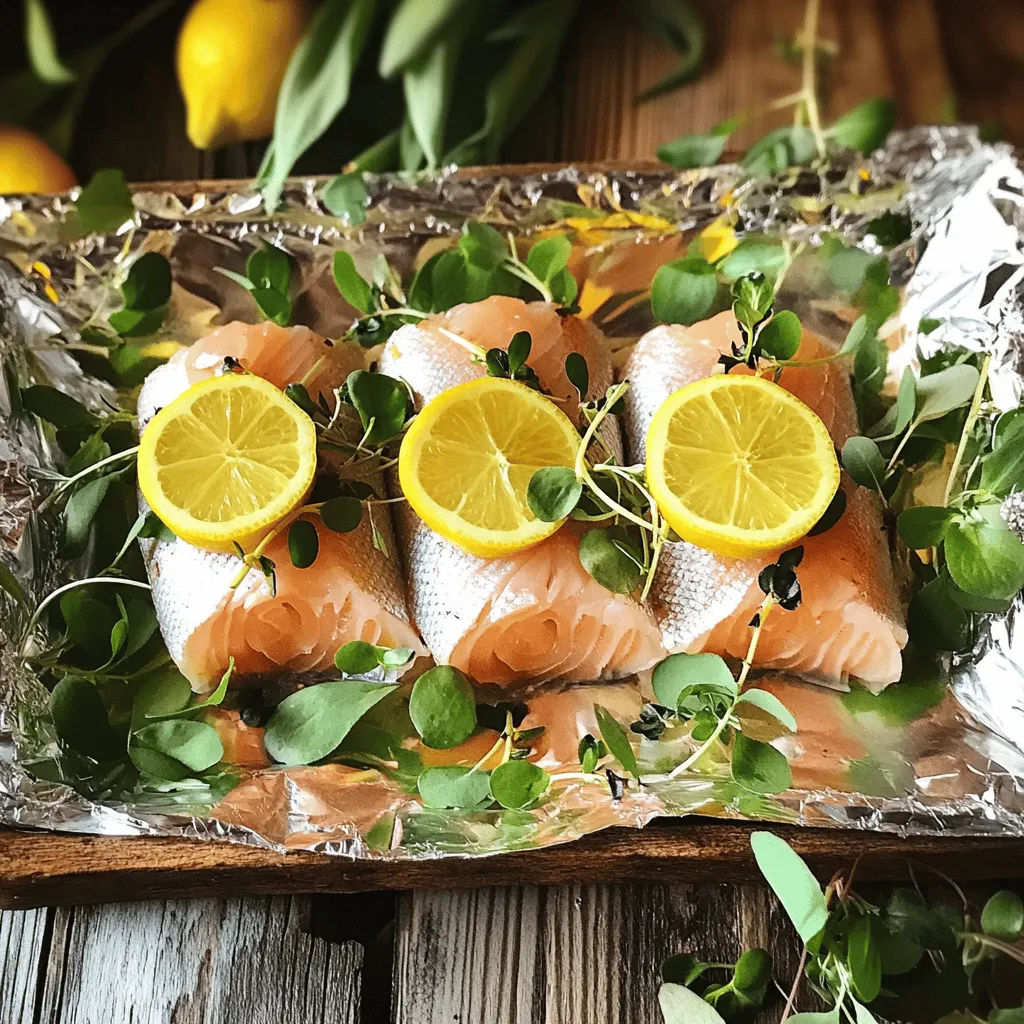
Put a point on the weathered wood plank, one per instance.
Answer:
(561, 955)
(23, 942)
(209, 962)
(41, 869)
(564, 954)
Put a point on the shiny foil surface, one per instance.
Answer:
(926, 756)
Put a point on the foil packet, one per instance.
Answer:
(942, 755)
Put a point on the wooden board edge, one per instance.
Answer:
(44, 869)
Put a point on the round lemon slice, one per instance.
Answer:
(226, 459)
(466, 462)
(739, 466)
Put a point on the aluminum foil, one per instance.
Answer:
(938, 754)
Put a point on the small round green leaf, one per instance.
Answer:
(683, 292)
(863, 461)
(453, 787)
(607, 555)
(273, 305)
(549, 256)
(356, 658)
(442, 707)
(679, 672)
(345, 195)
(517, 784)
(983, 556)
(350, 283)
(553, 493)
(148, 284)
(195, 744)
(341, 515)
(924, 526)
(269, 268)
(519, 350)
(755, 254)
(1003, 916)
(482, 245)
(396, 657)
(780, 337)
(577, 371)
(303, 543)
(753, 970)
(380, 399)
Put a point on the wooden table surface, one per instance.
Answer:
(560, 954)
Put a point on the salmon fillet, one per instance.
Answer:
(536, 614)
(850, 624)
(351, 592)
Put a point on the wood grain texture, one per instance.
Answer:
(565, 954)
(23, 942)
(209, 962)
(884, 49)
(39, 869)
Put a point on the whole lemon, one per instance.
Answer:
(27, 164)
(232, 56)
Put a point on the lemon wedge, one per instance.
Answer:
(739, 466)
(465, 463)
(226, 459)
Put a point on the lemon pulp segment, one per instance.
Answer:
(226, 459)
(740, 466)
(465, 463)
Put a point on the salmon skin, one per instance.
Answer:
(351, 592)
(850, 624)
(536, 614)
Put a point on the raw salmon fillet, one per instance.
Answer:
(351, 592)
(850, 624)
(536, 614)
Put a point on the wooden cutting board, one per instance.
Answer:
(43, 869)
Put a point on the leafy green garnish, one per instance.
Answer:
(442, 707)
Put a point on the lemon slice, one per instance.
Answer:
(466, 462)
(226, 459)
(739, 466)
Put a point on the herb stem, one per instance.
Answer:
(251, 560)
(810, 85)
(465, 343)
(34, 620)
(791, 998)
(126, 455)
(899, 448)
(972, 418)
(514, 265)
(766, 606)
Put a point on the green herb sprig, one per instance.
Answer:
(267, 277)
(904, 960)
